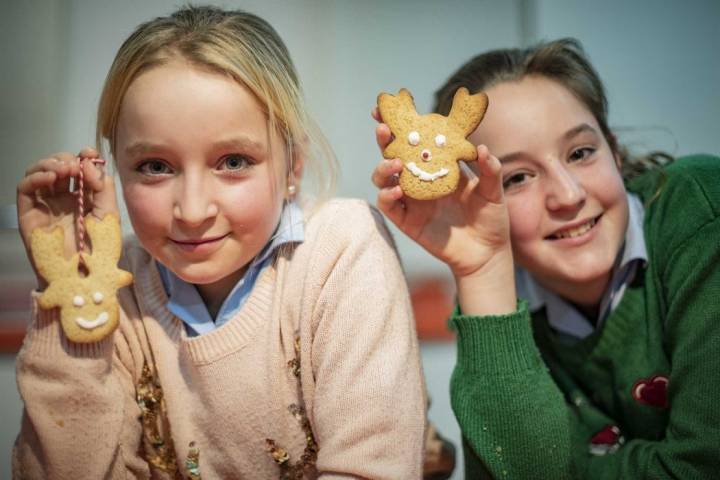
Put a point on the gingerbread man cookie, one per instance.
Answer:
(88, 303)
(431, 145)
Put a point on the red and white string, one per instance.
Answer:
(80, 192)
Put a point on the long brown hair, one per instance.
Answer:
(563, 61)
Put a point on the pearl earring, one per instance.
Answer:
(291, 190)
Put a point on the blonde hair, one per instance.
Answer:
(234, 43)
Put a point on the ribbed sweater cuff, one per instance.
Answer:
(496, 344)
(45, 336)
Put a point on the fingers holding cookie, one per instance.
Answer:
(47, 195)
(386, 173)
(99, 186)
(383, 136)
(490, 179)
(43, 195)
(52, 174)
(390, 195)
(391, 203)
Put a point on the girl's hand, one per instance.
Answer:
(469, 230)
(44, 199)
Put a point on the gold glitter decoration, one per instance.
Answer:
(158, 452)
(192, 462)
(294, 364)
(280, 455)
(306, 463)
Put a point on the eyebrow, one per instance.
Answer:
(569, 135)
(575, 131)
(240, 142)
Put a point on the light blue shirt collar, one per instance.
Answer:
(184, 300)
(564, 317)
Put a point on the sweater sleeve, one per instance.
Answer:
(80, 417)
(369, 405)
(513, 418)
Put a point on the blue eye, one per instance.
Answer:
(153, 167)
(234, 162)
(581, 154)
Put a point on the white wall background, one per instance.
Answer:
(659, 60)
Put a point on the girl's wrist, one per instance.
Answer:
(490, 290)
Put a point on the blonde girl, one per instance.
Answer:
(264, 336)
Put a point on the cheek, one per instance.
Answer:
(606, 185)
(525, 218)
(252, 207)
(147, 209)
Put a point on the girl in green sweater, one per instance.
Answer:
(588, 285)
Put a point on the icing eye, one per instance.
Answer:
(440, 140)
(98, 297)
(78, 301)
(426, 155)
(413, 138)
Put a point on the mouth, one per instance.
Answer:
(424, 175)
(191, 242)
(575, 231)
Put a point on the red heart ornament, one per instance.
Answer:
(606, 441)
(652, 391)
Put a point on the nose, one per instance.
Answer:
(194, 201)
(565, 190)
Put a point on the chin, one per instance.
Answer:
(199, 274)
(203, 279)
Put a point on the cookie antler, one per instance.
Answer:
(105, 254)
(47, 249)
(397, 110)
(467, 110)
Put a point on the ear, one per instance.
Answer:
(297, 167)
(294, 172)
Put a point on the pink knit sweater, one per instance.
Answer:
(317, 375)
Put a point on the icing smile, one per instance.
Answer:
(90, 324)
(575, 231)
(426, 176)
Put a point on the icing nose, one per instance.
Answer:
(426, 155)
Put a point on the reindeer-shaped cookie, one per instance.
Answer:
(88, 303)
(431, 145)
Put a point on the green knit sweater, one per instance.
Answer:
(640, 397)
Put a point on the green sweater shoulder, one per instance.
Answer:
(680, 198)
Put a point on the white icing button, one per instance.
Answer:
(414, 138)
(440, 140)
(426, 155)
(97, 297)
(78, 301)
